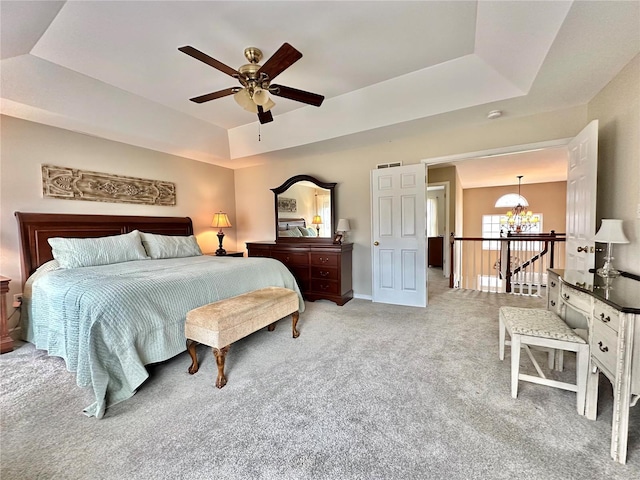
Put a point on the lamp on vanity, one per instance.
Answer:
(220, 220)
(610, 232)
(317, 221)
(343, 228)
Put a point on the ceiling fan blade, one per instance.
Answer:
(284, 57)
(214, 95)
(297, 95)
(264, 117)
(203, 57)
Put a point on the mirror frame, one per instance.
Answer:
(284, 187)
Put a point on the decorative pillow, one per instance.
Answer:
(312, 232)
(88, 252)
(168, 246)
(303, 231)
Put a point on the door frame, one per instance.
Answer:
(494, 152)
(447, 216)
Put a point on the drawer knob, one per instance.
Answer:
(606, 319)
(324, 274)
(553, 304)
(602, 349)
(553, 284)
(565, 296)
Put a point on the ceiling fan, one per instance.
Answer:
(255, 93)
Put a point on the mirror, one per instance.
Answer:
(304, 210)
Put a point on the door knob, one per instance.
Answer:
(376, 243)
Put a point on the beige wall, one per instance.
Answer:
(351, 170)
(617, 107)
(201, 188)
(549, 199)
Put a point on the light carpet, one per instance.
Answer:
(368, 391)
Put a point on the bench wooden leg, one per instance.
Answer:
(272, 327)
(294, 321)
(220, 354)
(191, 348)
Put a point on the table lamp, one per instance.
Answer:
(220, 220)
(343, 228)
(610, 232)
(317, 221)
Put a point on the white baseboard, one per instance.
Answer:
(362, 297)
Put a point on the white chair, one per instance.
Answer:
(543, 328)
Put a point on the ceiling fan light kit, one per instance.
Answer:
(255, 93)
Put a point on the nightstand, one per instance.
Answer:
(6, 342)
(229, 254)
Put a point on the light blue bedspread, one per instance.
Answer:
(108, 322)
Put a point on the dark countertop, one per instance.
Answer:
(624, 294)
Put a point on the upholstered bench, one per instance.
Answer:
(221, 323)
(543, 328)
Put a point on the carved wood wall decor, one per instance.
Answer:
(75, 184)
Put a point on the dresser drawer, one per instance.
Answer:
(604, 346)
(325, 259)
(324, 273)
(325, 286)
(291, 258)
(607, 315)
(553, 293)
(577, 299)
(259, 251)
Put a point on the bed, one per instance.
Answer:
(108, 321)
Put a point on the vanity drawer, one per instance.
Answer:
(326, 259)
(291, 258)
(324, 273)
(606, 314)
(325, 286)
(553, 293)
(604, 346)
(577, 299)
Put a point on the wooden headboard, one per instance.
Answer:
(36, 228)
(289, 223)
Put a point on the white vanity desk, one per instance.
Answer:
(613, 321)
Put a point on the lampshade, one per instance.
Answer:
(243, 99)
(268, 105)
(343, 225)
(316, 220)
(610, 232)
(261, 96)
(220, 220)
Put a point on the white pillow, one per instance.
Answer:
(88, 252)
(168, 246)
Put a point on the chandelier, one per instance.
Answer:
(518, 219)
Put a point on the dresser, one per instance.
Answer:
(322, 270)
(612, 318)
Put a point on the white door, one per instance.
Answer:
(398, 205)
(581, 202)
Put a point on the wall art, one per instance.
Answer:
(75, 184)
(287, 205)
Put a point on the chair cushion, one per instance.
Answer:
(537, 322)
